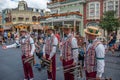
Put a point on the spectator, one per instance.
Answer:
(5, 36)
(112, 41)
(58, 36)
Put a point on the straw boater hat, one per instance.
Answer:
(51, 28)
(91, 30)
(67, 26)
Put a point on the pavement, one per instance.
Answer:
(11, 66)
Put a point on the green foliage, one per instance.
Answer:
(109, 21)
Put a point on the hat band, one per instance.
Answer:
(93, 31)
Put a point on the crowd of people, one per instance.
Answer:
(88, 51)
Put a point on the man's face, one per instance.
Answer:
(23, 33)
(66, 31)
(90, 37)
(49, 31)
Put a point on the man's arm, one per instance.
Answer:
(54, 47)
(100, 54)
(44, 48)
(13, 45)
(75, 49)
(32, 46)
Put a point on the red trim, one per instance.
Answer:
(62, 14)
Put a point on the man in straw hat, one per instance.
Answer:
(28, 47)
(49, 52)
(69, 51)
(94, 58)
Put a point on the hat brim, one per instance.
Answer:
(66, 27)
(85, 30)
(50, 29)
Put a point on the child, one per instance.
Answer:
(81, 53)
(39, 51)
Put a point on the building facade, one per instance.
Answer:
(93, 11)
(112, 5)
(64, 12)
(21, 17)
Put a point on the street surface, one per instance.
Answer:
(11, 66)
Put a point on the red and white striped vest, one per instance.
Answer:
(49, 44)
(25, 46)
(90, 58)
(67, 48)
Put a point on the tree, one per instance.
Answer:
(109, 21)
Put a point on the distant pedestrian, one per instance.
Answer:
(112, 41)
(82, 50)
(5, 36)
(39, 52)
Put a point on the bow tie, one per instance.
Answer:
(49, 35)
(90, 41)
(65, 35)
(23, 37)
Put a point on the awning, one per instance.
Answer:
(37, 27)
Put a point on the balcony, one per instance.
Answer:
(62, 18)
(62, 14)
(62, 3)
(56, 4)
(93, 18)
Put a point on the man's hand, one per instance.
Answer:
(44, 56)
(74, 63)
(49, 58)
(97, 78)
(61, 58)
(30, 55)
(4, 47)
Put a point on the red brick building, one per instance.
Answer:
(93, 11)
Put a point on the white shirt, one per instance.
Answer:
(17, 43)
(55, 42)
(74, 45)
(100, 53)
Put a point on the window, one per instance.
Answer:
(27, 19)
(117, 2)
(14, 19)
(93, 9)
(110, 5)
(21, 7)
(37, 10)
(20, 18)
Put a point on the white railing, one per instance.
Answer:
(93, 17)
(57, 4)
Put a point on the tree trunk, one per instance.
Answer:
(108, 34)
